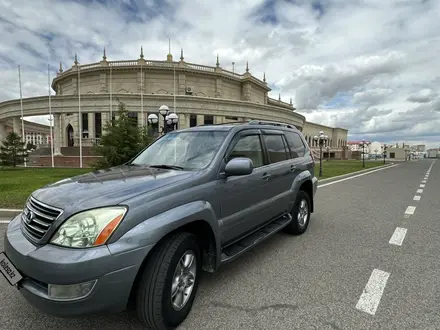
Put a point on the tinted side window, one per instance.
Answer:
(249, 146)
(275, 148)
(296, 144)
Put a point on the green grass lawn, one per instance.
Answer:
(339, 167)
(17, 184)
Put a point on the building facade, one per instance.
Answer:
(87, 97)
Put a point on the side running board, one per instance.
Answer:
(248, 242)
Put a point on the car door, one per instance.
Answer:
(281, 169)
(298, 160)
(244, 199)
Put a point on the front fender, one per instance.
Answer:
(152, 230)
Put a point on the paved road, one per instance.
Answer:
(363, 264)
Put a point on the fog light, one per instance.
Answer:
(70, 292)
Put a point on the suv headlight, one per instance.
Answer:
(89, 228)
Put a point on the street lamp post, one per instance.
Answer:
(375, 154)
(321, 138)
(363, 144)
(163, 111)
(169, 119)
(384, 152)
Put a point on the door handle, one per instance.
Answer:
(266, 176)
(292, 168)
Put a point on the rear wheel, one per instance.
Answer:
(300, 214)
(169, 282)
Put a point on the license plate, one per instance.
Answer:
(8, 270)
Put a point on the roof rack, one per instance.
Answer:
(273, 123)
(230, 123)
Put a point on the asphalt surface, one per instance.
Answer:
(343, 273)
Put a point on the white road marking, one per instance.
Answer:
(370, 297)
(423, 181)
(410, 210)
(416, 198)
(422, 186)
(356, 176)
(5, 221)
(420, 191)
(398, 236)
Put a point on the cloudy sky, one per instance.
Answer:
(367, 65)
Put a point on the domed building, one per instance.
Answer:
(87, 96)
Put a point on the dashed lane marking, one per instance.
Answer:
(398, 236)
(370, 297)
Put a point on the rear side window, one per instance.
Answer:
(296, 144)
(276, 148)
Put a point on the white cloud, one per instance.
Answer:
(370, 66)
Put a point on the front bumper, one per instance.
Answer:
(48, 264)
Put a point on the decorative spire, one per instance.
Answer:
(247, 66)
(104, 57)
(279, 97)
(264, 76)
(181, 54)
(76, 60)
(218, 63)
(142, 52)
(169, 56)
(291, 101)
(61, 67)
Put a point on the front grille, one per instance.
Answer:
(38, 217)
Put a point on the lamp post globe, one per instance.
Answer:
(153, 118)
(173, 118)
(163, 110)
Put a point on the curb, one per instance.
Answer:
(9, 213)
(353, 173)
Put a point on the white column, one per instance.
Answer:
(91, 127)
(200, 120)
(2, 132)
(57, 134)
(16, 125)
(182, 121)
(218, 119)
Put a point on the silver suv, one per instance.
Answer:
(143, 232)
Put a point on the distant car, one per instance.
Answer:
(142, 232)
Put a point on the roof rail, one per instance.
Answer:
(230, 123)
(273, 123)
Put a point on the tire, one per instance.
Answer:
(298, 227)
(153, 297)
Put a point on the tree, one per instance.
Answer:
(123, 139)
(13, 151)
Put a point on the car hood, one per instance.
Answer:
(107, 187)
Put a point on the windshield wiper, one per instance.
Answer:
(168, 167)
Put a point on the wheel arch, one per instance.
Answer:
(307, 187)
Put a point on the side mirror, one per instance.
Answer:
(239, 166)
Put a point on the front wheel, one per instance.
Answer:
(300, 214)
(169, 282)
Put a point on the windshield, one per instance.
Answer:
(184, 150)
